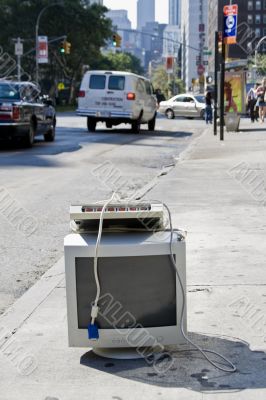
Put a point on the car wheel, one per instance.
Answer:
(170, 114)
(91, 124)
(151, 123)
(202, 114)
(49, 136)
(135, 126)
(29, 139)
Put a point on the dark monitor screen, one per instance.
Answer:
(143, 287)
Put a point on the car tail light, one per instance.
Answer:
(131, 96)
(16, 113)
(81, 93)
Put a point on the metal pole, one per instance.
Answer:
(222, 92)
(19, 61)
(37, 34)
(19, 68)
(216, 66)
(37, 50)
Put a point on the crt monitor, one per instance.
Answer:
(141, 297)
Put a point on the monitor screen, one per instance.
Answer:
(145, 286)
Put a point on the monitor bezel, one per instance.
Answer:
(118, 245)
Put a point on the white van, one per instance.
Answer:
(116, 97)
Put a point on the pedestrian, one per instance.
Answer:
(261, 91)
(208, 109)
(159, 96)
(251, 102)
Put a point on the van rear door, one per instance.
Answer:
(105, 94)
(115, 95)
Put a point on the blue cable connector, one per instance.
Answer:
(93, 332)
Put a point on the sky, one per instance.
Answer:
(131, 6)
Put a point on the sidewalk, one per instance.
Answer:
(217, 192)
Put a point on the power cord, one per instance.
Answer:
(93, 328)
(197, 347)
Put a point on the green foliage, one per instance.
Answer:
(261, 64)
(86, 28)
(119, 62)
(169, 87)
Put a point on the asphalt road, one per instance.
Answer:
(38, 185)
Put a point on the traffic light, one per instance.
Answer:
(117, 40)
(220, 42)
(62, 47)
(67, 47)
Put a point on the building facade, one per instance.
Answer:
(174, 12)
(251, 28)
(171, 41)
(145, 12)
(194, 18)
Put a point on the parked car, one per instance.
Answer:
(184, 105)
(24, 114)
(116, 97)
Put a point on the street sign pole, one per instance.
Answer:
(216, 83)
(19, 62)
(222, 92)
(18, 52)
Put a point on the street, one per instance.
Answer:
(78, 167)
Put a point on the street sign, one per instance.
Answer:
(201, 70)
(18, 49)
(170, 65)
(42, 50)
(207, 53)
(230, 23)
(61, 86)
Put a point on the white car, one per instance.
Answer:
(184, 105)
(116, 97)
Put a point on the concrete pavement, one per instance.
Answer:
(37, 185)
(217, 192)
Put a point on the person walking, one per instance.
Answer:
(251, 103)
(159, 96)
(208, 109)
(261, 91)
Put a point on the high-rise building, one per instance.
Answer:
(171, 41)
(174, 12)
(194, 17)
(145, 12)
(251, 28)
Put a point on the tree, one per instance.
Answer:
(261, 65)
(86, 28)
(169, 87)
(119, 62)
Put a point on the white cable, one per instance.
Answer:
(95, 308)
(197, 347)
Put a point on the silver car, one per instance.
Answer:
(183, 105)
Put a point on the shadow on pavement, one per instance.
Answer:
(188, 369)
(68, 140)
(262, 128)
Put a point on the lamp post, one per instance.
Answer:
(59, 3)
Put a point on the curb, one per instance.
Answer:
(14, 317)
